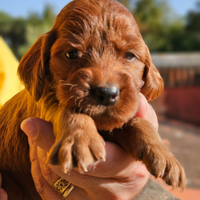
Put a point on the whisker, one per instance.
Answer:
(86, 111)
(79, 105)
(72, 85)
(74, 110)
(63, 82)
(70, 98)
(80, 110)
(90, 113)
(76, 100)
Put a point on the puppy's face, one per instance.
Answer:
(99, 62)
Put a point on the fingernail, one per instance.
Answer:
(29, 128)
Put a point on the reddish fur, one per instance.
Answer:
(58, 90)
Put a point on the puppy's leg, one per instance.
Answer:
(143, 142)
(78, 143)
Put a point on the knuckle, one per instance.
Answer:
(33, 159)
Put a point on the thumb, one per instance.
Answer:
(40, 131)
(146, 111)
(143, 107)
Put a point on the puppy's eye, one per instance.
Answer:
(73, 55)
(129, 56)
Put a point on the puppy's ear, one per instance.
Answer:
(35, 64)
(154, 85)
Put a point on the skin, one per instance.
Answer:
(119, 177)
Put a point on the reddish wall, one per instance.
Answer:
(181, 103)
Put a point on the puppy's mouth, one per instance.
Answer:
(106, 107)
(110, 107)
(106, 118)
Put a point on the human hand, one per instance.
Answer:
(119, 177)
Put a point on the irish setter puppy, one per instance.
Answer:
(84, 76)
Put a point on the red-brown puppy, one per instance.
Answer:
(85, 76)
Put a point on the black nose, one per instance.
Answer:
(106, 96)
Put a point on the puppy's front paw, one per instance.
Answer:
(161, 163)
(79, 149)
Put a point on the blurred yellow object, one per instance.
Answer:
(9, 81)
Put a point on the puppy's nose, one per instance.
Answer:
(106, 96)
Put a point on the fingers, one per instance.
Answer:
(146, 111)
(40, 131)
(3, 195)
(117, 160)
(44, 178)
(44, 189)
(109, 181)
(118, 167)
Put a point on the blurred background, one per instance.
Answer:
(171, 30)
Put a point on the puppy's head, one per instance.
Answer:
(95, 61)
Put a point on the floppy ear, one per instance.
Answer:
(34, 65)
(154, 84)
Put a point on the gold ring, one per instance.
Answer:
(63, 187)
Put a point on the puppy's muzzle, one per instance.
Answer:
(106, 95)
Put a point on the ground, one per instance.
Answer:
(184, 142)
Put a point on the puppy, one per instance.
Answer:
(84, 76)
